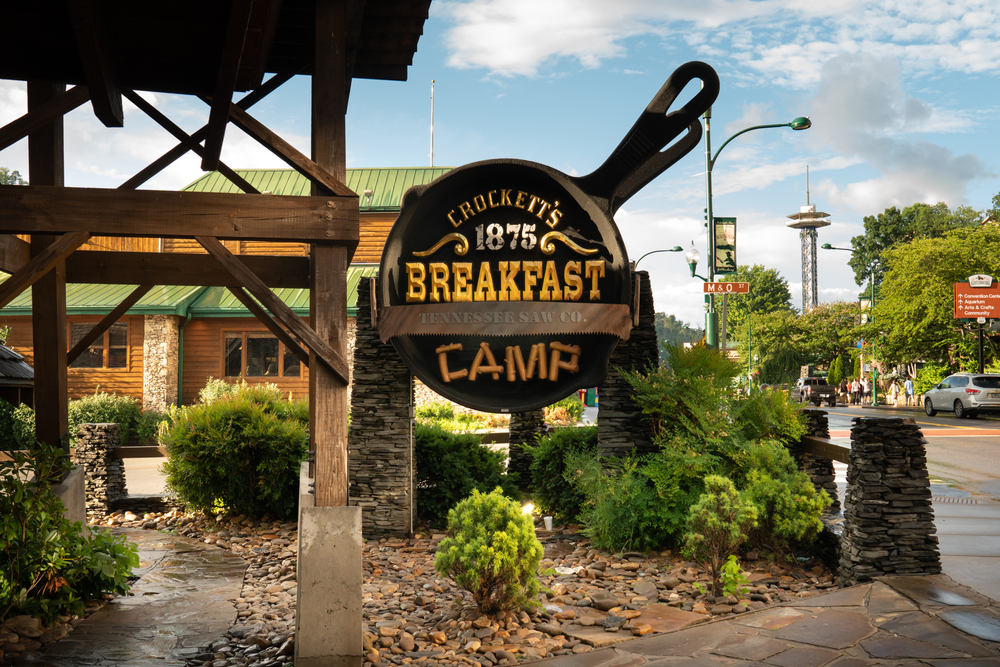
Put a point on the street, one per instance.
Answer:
(961, 454)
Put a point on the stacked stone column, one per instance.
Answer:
(621, 426)
(104, 476)
(380, 441)
(888, 518)
(525, 427)
(819, 468)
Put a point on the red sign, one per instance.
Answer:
(973, 302)
(727, 288)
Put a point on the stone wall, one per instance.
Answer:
(104, 476)
(380, 441)
(819, 468)
(161, 334)
(621, 427)
(524, 428)
(888, 517)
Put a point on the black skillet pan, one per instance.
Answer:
(555, 302)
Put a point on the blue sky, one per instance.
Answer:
(902, 96)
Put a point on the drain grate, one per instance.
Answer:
(959, 501)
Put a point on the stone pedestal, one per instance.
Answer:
(160, 348)
(819, 468)
(328, 616)
(621, 426)
(888, 517)
(380, 439)
(104, 475)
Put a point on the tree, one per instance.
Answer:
(887, 230)
(830, 331)
(913, 320)
(768, 293)
(779, 341)
(671, 330)
(8, 177)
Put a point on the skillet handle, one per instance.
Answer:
(639, 157)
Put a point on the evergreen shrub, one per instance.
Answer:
(50, 566)
(241, 451)
(717, 525)
(450, 466)
(493, 552)
(550, 486)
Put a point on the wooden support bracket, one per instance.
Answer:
(91, 34)
(330, 357)
(40, 264)
(42, 115)
(225, 83)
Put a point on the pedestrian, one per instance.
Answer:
(865, 391)
(908, 388)
(894, 393)
(843, 390)
(855, 390)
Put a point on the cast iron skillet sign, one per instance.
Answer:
(505, 284)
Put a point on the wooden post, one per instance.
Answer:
(48, 294)
(328, 268)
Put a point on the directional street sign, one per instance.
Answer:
(975, 302)
(727, 288)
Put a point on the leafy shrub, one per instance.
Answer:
(241, 450)
(734, 579)
(147, 428)
(48, 565)
(768, 415)
(450, 466)
(927, 377)
(103, 408)
(788, 504)
(568, 411)
(443, 414)
(436, 411)
(494, 553)
(622, 510)
(24, 427)
(8, 439)
(549, 482)
(717, 525)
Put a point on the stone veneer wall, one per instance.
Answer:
(161, 335)
(621, 427)
(380, 441)
(819, 468)
(524, 427)
(888, 517)
(104, 476)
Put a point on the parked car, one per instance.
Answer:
(967, 394)
(815, 391)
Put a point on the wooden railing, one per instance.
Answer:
(825, 447)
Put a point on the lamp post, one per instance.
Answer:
(676, 248)
(871, 280)
(692, 256)
(801, 123)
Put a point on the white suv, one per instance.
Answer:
(968, 394)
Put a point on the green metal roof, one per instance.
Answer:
(87, 299)
(387, 185)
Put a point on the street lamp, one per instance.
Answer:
(800, 123)
(676, 248)
(692, 256)
(871, 280)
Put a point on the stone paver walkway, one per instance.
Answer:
(182, 602)
(897, 621)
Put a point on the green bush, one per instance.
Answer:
(717, 525)
(24, 427)
(788, 504)
(493, 553)
(147, 428)
(550, 486)
(240, 451)
(928, 377)
(566, 411)
(48, 565)
(437, 411)
(102, 408)
(768, 415)
(8, 437)
(450, 466)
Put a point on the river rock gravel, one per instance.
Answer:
(412, 614)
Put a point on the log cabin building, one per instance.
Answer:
(168, 344)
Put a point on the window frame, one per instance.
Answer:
(105, 340)
(261, 333)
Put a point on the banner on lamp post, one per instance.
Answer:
(724, 238)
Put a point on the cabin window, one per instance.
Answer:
(110, 350)
(253, 354)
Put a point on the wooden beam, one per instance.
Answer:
(106, 323)
(28, 209)
(14, 253)
(181, 149)
(176, 268)
(90, 30)
(225, 82)
(187, 141)
(260, 36)
(334, 360)
(42, 115)
(258, 311)
(40, 264)
(288, 153)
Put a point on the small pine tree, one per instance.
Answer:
(717, 525)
